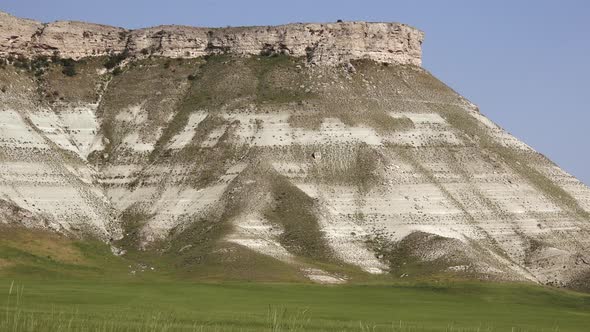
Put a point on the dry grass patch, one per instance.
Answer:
(42, 244)
(82, 87)
(4, 263)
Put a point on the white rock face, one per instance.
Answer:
(331, 43)
(59, 194)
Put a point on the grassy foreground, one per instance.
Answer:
(50, 282)
(93, 305)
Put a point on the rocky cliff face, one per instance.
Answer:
(330, 44)
(336, 171)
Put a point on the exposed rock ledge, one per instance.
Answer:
(325, 44)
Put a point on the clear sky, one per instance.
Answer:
(525, 63)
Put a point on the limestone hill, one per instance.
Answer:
(305, 151)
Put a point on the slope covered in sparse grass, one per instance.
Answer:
(350, 152)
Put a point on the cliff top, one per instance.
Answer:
(321, 43)
(7, 16)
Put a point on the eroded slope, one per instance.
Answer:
(241, 167)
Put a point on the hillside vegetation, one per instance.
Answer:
(268, 168)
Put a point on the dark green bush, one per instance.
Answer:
(69, 67)
(39, 64)
(115, 59)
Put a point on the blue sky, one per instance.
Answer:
(525, 63)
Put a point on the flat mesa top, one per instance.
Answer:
(320, 43)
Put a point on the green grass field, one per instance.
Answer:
(95, 305)
(52, 283)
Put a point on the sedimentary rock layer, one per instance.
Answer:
(330, 43)
(370, 165)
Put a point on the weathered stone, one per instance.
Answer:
(322, 44)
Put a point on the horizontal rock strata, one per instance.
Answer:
(327, 44)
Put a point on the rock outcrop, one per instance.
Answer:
(328, 44)
(381, 167)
